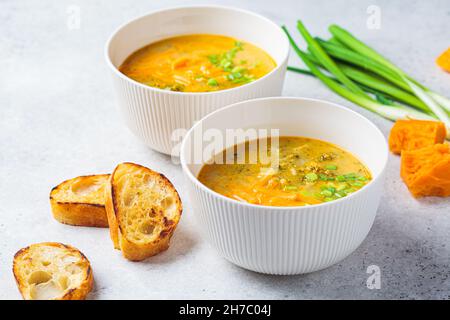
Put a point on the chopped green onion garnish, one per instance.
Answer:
(331, 189)
(236, 75)
(311, 177)
(212, 82)
(230, 54)
(214, 59)
(243, 79)
(225, 63)
(238, 69)
(341, 186)
(331, 167)
(327, 193)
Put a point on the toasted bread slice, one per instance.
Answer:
(143, 210)
(81, 201)
(52, 271)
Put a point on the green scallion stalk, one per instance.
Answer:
(355, 58)
(337, 50)
(358, 46)
(378, 84)
(436, 108)
(381, 85)
(381, 97)
(333, 40)
(419, 90)
(326, 61)
(366, 89)
(299, 70)
(389, 112)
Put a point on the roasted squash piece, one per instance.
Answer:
(443, 60)
(426, 171)
(415, 134)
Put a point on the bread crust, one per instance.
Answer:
(111, 213)
(132, 250)
(84, 212)
(78, 293)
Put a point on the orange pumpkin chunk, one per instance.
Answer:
(415, 134)
(426, 171)
(443, 60)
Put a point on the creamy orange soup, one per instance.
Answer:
(197, 63)
(309, 172)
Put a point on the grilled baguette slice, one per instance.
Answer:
(81, 201)
(52, 271)
(143, 210)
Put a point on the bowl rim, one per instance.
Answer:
(266, 208)
(116, 71)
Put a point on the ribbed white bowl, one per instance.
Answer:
(154, 115)
(289, 240)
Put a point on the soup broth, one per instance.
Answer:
(197, 63)
(309, 171)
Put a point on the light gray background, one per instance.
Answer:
(58, 119)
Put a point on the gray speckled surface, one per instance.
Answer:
(58, 120)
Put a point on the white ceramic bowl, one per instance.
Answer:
(154, 114)
(288, 240)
